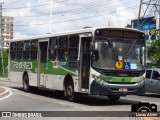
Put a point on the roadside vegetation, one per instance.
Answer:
(5, 63)
(154, 53)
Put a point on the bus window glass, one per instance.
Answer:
(34, 48)
(19, 50)
(13, 46)
(53, 46)
(73, 47)
(13, 50)
(109, 51)
(26, 50)
(62, 42)
(34, 45)
(62, 49)
(104, 55)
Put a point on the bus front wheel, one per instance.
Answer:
(113, 98)
(69, 91)
(25, 83)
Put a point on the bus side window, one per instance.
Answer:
(19, 50)
(63, 42)
(13, 50)
(62, 48)
(26, 50)
(73, 47)
(52, 48)
(34, 48)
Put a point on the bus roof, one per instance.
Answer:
(79, 31)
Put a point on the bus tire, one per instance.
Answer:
(69, 91)
(113, 98)
(25, 83)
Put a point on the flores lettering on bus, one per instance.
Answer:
(22, 65)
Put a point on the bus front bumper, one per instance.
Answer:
(113, 89)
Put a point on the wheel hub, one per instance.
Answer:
(69, 90)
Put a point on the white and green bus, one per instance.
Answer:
(92, 61)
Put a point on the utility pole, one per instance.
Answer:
(1, 41)
(50, 26)
(154, 5)
(63, 22)
(139, 13)
(150, 3)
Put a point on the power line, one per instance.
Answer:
(146, 8)
(89, 7)
(114, 11)
(38, 5)
(12, 3)
(148, 3)
(77, 9)
(71, 20)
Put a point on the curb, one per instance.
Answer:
(4, 78)
(5, 93)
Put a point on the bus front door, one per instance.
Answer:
(85, 63)
(43, 45)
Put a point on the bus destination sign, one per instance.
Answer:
(119, 33)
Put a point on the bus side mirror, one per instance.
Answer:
(91, 47)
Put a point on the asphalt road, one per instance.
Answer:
(47, 100)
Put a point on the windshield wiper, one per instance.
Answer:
(112, 47)
(131, 47)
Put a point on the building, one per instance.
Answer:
(7, 30)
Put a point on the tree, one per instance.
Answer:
(154, 52)
(5, 60)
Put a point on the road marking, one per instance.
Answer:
(10, 93)
(12, 89)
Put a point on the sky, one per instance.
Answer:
(32, 17)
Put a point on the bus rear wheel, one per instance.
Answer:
(113, 98)
(69, 91)
(25, 83)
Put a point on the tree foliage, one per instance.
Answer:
(5, 59)
(154, 52)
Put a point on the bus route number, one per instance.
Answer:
(22, 65)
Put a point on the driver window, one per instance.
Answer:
(148, 74)
(155, 75)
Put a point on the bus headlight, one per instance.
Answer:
(93, 76)
(99, 80)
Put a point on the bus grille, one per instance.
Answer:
(122, 82)
(116, 73)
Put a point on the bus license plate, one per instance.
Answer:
(123, 89)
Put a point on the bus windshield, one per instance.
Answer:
(108, 51)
